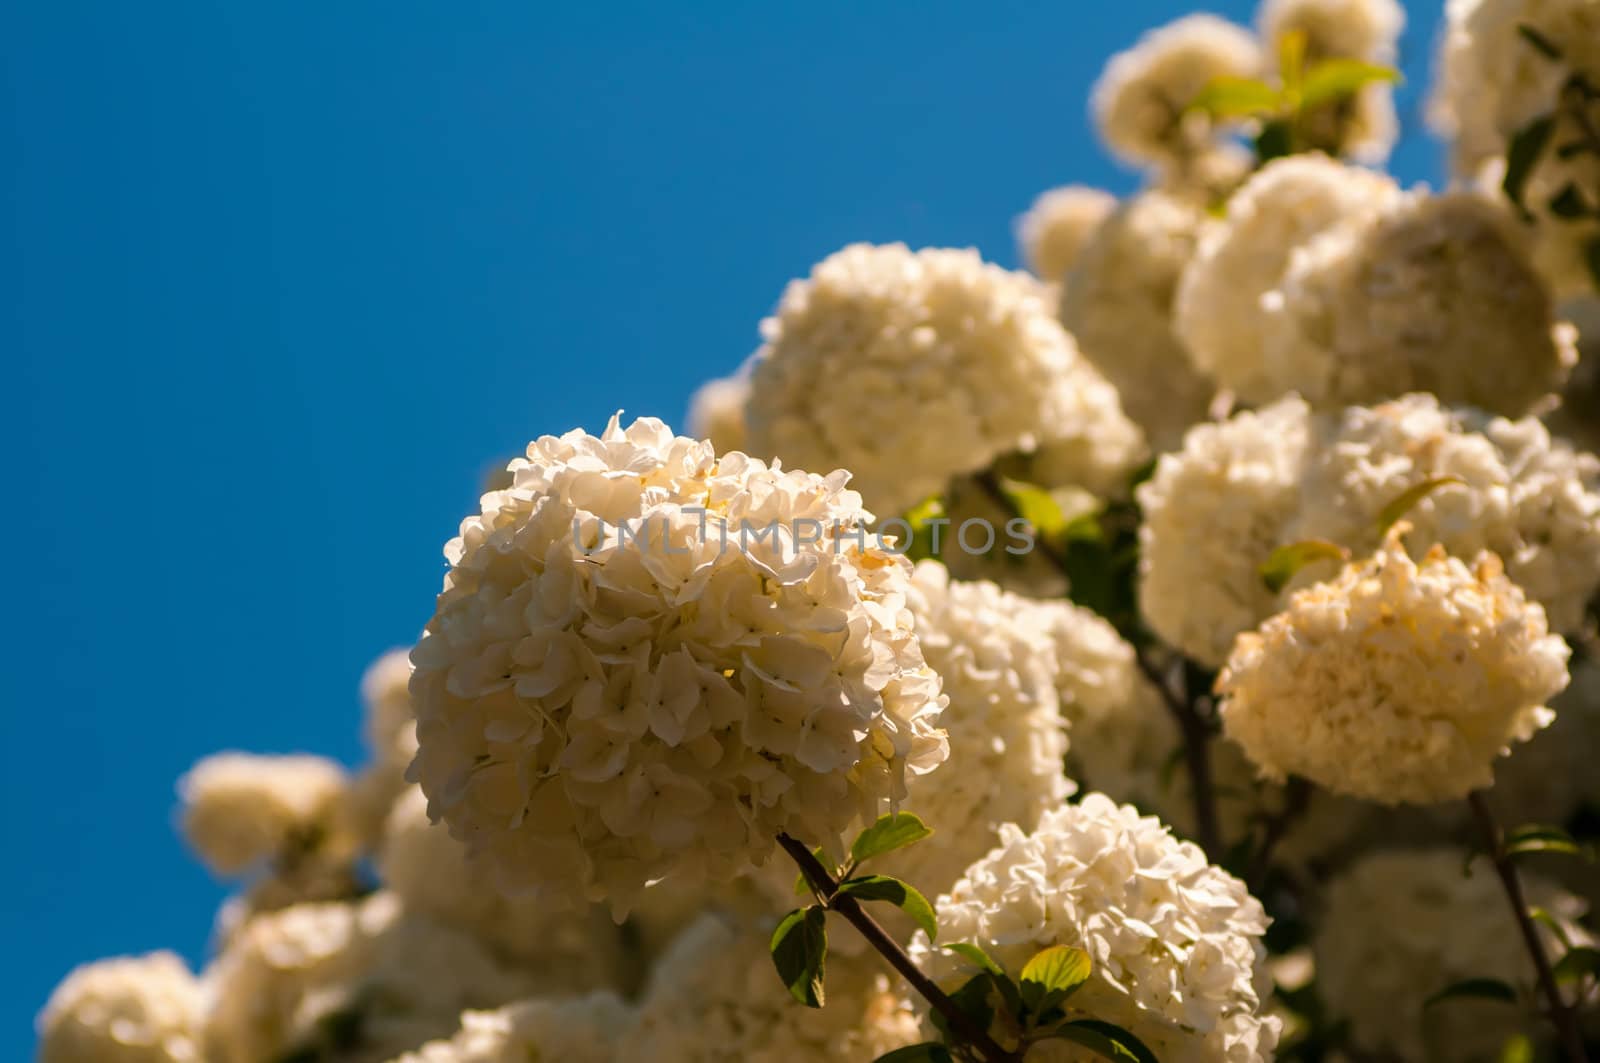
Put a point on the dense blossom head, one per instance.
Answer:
(1227, 288)
(1140, 101)
(599, 709)
(1055, 228)
(1395, 681)
(1212, 513)
(714, 999)
(1175, 942)
(241, 811)
(584, 1029)
(910, 367)
(998, 664)
(1118, 302)
(1400, 926)
(144, 1009)
(577, 946)
(368, 977)
(1494, 83)
(1426, 295)
(1215, 511)
(716, 412)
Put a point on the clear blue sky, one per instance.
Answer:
(280, 281)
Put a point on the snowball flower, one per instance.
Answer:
(1227, 287)
(567, 1029)
(1055, 228)
(1140, 101)
(1215, 511)
(1529, 498)
(1400, 926)
(577, 947)
(716, 412)
(1006, 731)
(241, 810)
(1176, 942)
(368, 976)
(1395, 682)
(908, 368)
(1118, 302)
(1212, 513)
(713, 998)
(1427, 294)
(647, 660)
(142, 1009)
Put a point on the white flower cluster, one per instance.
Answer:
(145, 1009)
(390, 727)
(908, 368)
(1175, 942)
(1053, 231)
(596, 712)
(241, 811)
(1395, 682)
(999, 668)
(713, 999)
(367, 978)
(1118, 301)
(576, 946)
(584, 1029)
(1494, 83)
(1400, 926)
(1215, 511)
(1141, 101)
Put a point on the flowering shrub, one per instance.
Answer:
(1185, 652)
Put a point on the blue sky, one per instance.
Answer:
(281, 281)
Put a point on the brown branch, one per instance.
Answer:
(1296, 795)
(1562, 1016)
(958, 1021)
(1196, 754)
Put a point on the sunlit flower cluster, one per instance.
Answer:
(145, 1009)
(1175, 941)
(241, 811)
(582, 1029)
(1395, 682)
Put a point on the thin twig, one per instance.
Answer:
(1195, 730)
(958, 1021)
(1562, 1016)
(1196, 754)
(1296, 795)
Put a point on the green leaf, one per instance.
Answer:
(1569, 203)
(1473, 989)
(1275, 140)
(1579, 963)
(897, 893)
(893, 831)
(973, 1000)
(927, 1052)
(974, 955)
(1517, 1049)
(1292, 60)
(1052, 976)
(1539, 838)
(923, 545)
(1551, 923)
(1522, 155)
(1107, 1039)
(1234, 97)
(1036, 506)
(799, 950)
(1409, 498)
(1542, 44)
(1283, 563)
(1339, 79)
